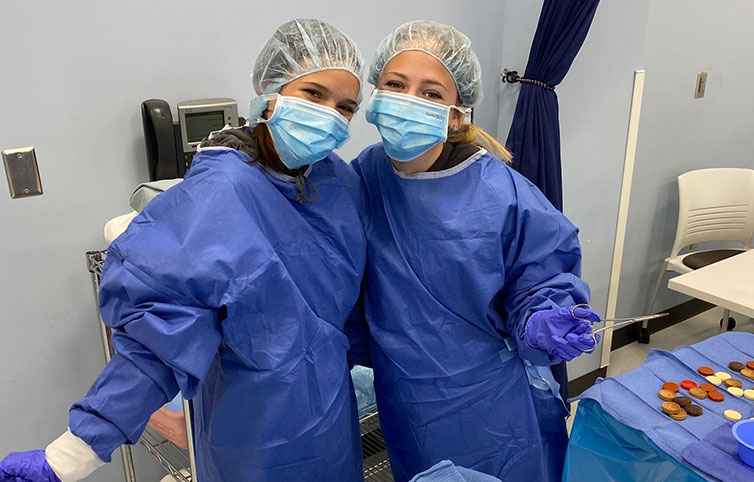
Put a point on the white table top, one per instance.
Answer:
(728, 283)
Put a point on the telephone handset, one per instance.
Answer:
(171, 146)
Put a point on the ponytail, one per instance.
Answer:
(471, 134)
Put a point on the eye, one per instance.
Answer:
(313, 93)
(393, 84)
(433, 95)
(347, 109)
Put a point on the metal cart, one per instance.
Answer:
(180, 463)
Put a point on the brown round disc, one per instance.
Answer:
(681, 415)
(748, 373)
(670, 386)
(670, 407)
(736, 366)
(666, 395)
(706, 371)
(707, 387)
(682, 401)
(750, 364)
(732, 382)
(699, 393)
(716, 396)
(694, 410)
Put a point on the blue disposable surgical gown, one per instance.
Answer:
(233, 291)
(457, 260)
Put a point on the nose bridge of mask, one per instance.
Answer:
(321, 111)
(434, 114)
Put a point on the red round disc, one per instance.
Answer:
(686, 384)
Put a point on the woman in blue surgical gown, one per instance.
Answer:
(234, 287)
(471, 274)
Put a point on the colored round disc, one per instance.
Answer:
(748, 373)
(732, 415)
(749, 394)
(750, 364)
(697, 392)
(670, 386)
(714, 380)
(722, 375)
(732, 382)
(706, 371)
(680, 415)
(694, 410)
(735, 391)
(666, 395)
(736, 366)
(687, 384)
(716, 396)
(707, 387)
(670, 407)
(682, 401)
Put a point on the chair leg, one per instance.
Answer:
(656, 291)
(644, 331)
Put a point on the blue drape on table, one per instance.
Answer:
(534, 137)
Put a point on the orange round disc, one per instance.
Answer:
(716, 396)
(707, 387)
(750, 364)
(673, 387)
(706, 371)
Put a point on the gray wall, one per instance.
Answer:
(73, 77)
(679, 133)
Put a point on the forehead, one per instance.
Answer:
(337, 81)
(419, 64)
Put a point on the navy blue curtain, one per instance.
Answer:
(534, 137)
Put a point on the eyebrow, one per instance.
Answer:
(424, 81)
(327, 92)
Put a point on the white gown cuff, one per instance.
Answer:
(71, 458)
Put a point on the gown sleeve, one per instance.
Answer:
(163, 293)
(542, 264)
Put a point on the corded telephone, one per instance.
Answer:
(171, 146)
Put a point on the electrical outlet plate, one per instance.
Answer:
(701, 84)
(22, 172)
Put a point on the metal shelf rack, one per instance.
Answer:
(180, 463)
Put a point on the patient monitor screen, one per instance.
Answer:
(199, 125)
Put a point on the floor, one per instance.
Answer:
(691, 331)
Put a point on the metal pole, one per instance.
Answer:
(92, 266)
(188, 413)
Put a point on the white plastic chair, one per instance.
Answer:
(713, 205)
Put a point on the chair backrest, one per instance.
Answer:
(715, 205)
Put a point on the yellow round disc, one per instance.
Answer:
(714, 380)
(749, 394)
(722, 375)
(732, 415)
(735, 391)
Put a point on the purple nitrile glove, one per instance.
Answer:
(560, 333)
(28, 466)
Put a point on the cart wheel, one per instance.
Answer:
(644, 336)
(731, 323)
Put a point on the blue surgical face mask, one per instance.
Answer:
(304, 132)
(409, 125)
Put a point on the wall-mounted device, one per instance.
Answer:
(171, 146)
(22, 172)
(701, 84)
